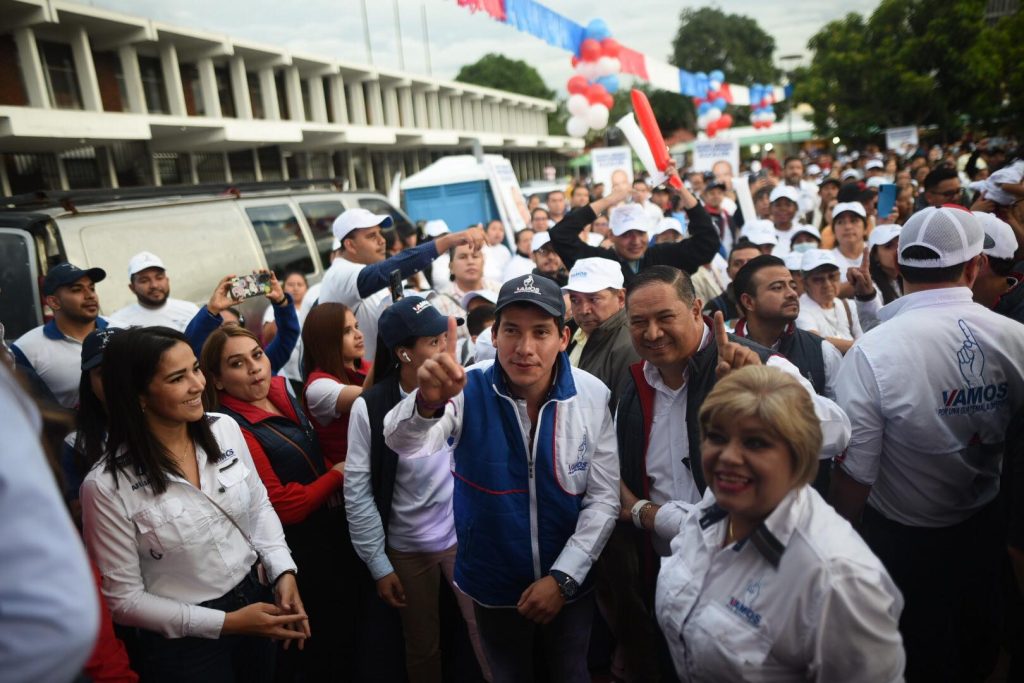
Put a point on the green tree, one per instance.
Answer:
(499, 72)
(710, 39)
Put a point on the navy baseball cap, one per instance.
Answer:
(93, 346)
(533, 289)
(64, 274)
(412, 316)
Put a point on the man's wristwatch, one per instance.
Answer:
(566, 584)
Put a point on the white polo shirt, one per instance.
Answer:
(802, 598)
(339, 286)
(55, 357)
(930, 393)
(175, 313)
(159, 556)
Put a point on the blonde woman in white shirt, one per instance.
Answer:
(821, 309)
(175, 517)
(766, 582)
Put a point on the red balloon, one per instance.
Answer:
(765, 102)
(610, 47)
(595, 92)
(575, 61)
(697, 101)
(725, 121)
(711, 129)
(608, 101)
(590, 50)
(577, 85)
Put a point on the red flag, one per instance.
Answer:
(495, 8)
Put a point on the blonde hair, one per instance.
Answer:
(779, 402)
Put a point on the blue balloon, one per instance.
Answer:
(756, 92)
(598, 30)
(720, 103)
(610, 83)
(717, 75)
(702, 84)
(704, 108)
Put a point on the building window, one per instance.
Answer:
(153, 85)
(280, 83)
(12, 88)
(270, 163)
(61, 79)
(304, 88)
(224, 94)
(243, 166)
(255, 95)
(281, 237)
(193, 90)
(111, 80)
(326, 83)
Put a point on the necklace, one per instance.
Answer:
(730, 535)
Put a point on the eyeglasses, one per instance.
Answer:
(949, 194)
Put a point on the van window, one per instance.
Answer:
(379, 206)
(18, 285)
(280, 235)
(320, 217)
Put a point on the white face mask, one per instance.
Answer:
(803, 246)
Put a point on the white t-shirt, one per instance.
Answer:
(846, 263)
(293, 368)
(322, 400)
(839, 321)
(175, 313)
(339, 286)
(496, 257)
(517, 265)
(785, 237)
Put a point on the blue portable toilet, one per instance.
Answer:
(455, 189)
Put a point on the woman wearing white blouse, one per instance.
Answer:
(821, 309)
(766, 582)
(176, 517)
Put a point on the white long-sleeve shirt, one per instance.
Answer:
(801, 599)
(161, 555)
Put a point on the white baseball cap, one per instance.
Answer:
(803, 228)
(955, 235)
(669, 223)
(589, 275)
(883, 234)
(855, 207)
(876, 181)
(813, 170)
(873, 164)
(142, 261)
(759, 232)
(357, 219)
(539, 240)
(436, 228)
(784, 192)
(1000, 242)
(626, 217)
(481, 293)
(794, 260)
(336, 244)
(816, 258)
(850, 174)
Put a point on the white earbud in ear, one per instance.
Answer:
(405, 357)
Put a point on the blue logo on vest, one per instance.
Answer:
(581, 464)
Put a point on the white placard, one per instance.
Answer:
(507, 193)
(608, 164)
(707, 152)
(903, 140)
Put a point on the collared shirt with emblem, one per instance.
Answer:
(55, 357)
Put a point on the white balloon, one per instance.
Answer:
(616, 65)
(770, 116)
(597, 116)
(713, 114)
(577, 105)
(605, 66)
(715, 85)
(588, 70)
(576, 127)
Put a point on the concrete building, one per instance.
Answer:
(94, 98)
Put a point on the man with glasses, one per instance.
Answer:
(941, 186)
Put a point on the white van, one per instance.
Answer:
(200, 233)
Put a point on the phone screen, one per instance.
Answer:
(395, 285)
(886, 199)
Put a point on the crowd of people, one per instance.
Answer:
(646, 436)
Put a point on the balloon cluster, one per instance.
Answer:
(762, 114)
(595, 81)
(711, 103)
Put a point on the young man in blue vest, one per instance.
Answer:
(536, 481)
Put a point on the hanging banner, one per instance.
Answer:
(903, 140)
(612, 166)
(707, 152)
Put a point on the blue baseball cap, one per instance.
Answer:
(533, 289)
(64, 274)
(412, 316)
(93, 346)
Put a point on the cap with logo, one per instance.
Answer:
(818, 258)
(357, 219)
(93, 346)
(784, 192)
(142, 261)
(1000, 242)
(64, 274)
(484, 294)
(539, 240)
(435, 228)
(668, 223)
(626, 217)
(759, 232)
(955, 234)
(412, 316)
(853, 207)
(589, 275)
(883, 234)
(533, 289)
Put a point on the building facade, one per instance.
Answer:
(94, 98)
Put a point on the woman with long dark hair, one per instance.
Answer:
(177, 520)
(400, 509)
(304, 490)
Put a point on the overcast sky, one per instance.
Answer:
(334, 28)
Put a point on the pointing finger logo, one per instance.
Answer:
(971, 358)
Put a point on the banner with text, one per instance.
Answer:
(612, 166)
(707, 152)
(902, 140)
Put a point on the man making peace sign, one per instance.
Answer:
(536, 480)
